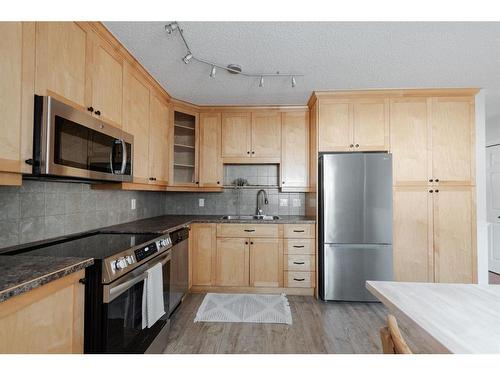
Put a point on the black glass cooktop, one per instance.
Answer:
(97, 246)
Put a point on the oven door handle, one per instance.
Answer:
(121, 288)
(112, 293)
(124, 156)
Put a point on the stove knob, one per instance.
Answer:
(120, 263)
(129, 259)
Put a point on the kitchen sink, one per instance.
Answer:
(251, 217)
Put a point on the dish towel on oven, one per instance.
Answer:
(152, 296)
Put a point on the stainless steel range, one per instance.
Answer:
(115, 290)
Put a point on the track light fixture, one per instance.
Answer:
(187, 58)
(172, 27)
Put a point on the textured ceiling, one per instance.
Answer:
(332, 55)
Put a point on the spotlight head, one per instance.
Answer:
(261, 82)
(171, 27)
(294, 82)
(213, 71)
(187, 58)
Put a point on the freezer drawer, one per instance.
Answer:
(346, 268)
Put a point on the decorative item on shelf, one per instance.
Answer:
(173, 27)
(240, 182)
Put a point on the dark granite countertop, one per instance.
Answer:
(169, 223)
(19, 273)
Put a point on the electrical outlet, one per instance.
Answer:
(201, 202)
(296, 202)
(132, 204)
(283, 202)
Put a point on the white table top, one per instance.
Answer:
(462, 318)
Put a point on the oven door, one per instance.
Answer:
(122, 320)
(75, 144)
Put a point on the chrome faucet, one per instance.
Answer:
(259, 206)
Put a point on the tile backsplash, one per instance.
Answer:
(38, 210)
(235, 202)
(255, 174)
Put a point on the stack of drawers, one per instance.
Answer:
(299, 260)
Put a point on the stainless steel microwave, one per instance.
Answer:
(71, 144)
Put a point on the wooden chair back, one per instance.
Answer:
(392, 340)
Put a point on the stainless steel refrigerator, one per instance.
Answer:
(355, 223)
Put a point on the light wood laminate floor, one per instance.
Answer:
(318, 327)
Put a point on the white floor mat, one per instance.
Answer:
(247, 308)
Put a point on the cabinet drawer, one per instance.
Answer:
(297, 246)
(299, 263)
(299, 231)
(247, 230)
(295, 279)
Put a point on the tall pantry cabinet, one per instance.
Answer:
(430, 134)
(434, 227)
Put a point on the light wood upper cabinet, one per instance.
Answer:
(410, 133)
(107, 82)
(159, 132)
(210, 163)
(232, 262)
(61, 57)
(247, 136)
(413, 234)
(17, 64)
(453, 140)
(236, 135)
(203, 257)
(266, 262)
(266, 135)
(295, 150)
(136, 121)
(335, 126)
(454, 235)
(353, 125)
(371, 125)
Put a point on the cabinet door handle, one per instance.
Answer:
(90, 109)
(298, 279)
(98, 113)
(248, 152)
(437, 179)
(351, 146)
(218, 182)
(430, 191)
(437, 191)
(430, 180)
(249, 230)
(298, 263)
(298, 231)
(357, 145)
(253, 152)
(251, 243)
(301, 246)
(246, 242)
(283, 182)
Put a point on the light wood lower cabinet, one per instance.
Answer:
(412, 234)
(252, 258)
(203, 254)
(455, 235)
(434, 234)
(48, 319)
(232, 267)
(266, 262)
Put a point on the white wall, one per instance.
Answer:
(482, 224)
(493, 131)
